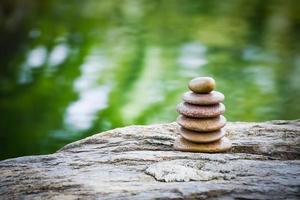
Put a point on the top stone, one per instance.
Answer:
(202, 85)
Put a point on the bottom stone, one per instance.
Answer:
(221, 145)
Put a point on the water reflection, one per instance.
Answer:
(58, 55)
(72, 69)
(192, 58)
(93, 97)
(36, 57)
(80, 115)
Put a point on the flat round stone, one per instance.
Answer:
(199, 111)
(221, 145)
(201, 137)
(202, 124)
(202, 84)
(211, 98)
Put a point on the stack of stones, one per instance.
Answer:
(201, 120)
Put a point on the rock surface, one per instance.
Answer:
(139, 162)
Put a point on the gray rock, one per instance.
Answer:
(138, 162)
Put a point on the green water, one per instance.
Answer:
(70, 69)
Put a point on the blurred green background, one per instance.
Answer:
(70, 69)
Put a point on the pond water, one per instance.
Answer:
(70, 69)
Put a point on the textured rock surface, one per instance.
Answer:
(138, 162)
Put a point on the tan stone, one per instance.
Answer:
(198, 111)
(202, 124)
(211, 98)
(221, 145)
(204, 137)
(202, 84)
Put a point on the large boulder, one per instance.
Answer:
(139, 162)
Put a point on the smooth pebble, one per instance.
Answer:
(202, 124)
(218, 146)
(211, 98)
(202, 84)
(198, 111)
(198, 137)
